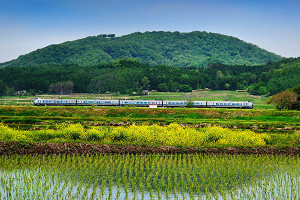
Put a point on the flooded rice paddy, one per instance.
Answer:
(149, 177)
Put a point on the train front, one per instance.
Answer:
(35, 101)
(250, 104)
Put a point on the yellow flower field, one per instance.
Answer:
(171, 135)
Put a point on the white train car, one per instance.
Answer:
(142, 103)
(175, 103)
(229, 104)
(200, 104)
(54, 102)
(98, 102)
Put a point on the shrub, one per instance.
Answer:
(284, 100)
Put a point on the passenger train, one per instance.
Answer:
(143, 103)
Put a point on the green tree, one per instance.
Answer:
(262, 91)
(227, 86)
(3, 88)
(185, 88)
(189, 103)
(162, 87)
(296, 89)
(219, 75)
(61, 87)
(145, 83)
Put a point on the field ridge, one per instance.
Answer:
(34, 148)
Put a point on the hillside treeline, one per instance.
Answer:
(154, 48)
(128, 75)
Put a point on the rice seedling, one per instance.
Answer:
(149, 177)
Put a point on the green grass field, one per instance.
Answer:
(259, 101)
(267, 120)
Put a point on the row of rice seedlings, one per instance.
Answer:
(148, 177)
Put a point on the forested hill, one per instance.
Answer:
(165, 48)
(129, 75)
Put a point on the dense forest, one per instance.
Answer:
(129, 75)
(192, 49)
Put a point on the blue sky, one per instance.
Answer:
(27, 25)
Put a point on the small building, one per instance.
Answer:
(145, 92)
(21, 93)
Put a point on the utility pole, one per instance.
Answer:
(184, 96)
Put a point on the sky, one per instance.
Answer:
(27, 25)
